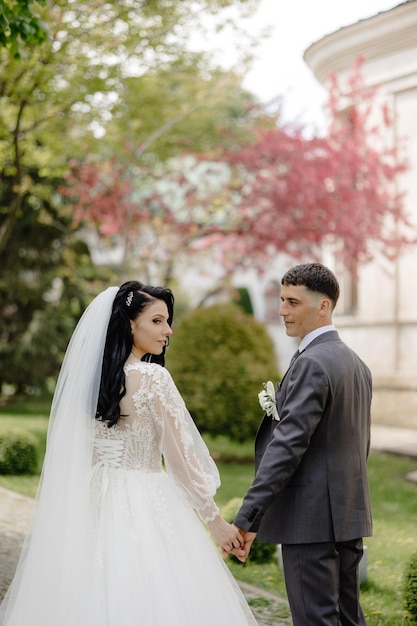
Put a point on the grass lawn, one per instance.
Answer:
(394, 501)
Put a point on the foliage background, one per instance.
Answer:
(87, 82)
(220, 358)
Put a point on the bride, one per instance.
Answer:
(115, 539)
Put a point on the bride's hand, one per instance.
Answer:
(227, 535)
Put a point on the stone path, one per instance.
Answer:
(269, 609)
(15, 514)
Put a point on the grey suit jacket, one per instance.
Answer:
(311, 478)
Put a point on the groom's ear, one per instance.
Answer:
(325, 308)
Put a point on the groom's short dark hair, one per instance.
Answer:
(314, 276)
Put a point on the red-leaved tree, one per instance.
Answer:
(281, 193)
(297, 194)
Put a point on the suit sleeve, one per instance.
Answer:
(303, 398)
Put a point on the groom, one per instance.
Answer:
(310, 492)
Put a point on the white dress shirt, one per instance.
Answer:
(313, 334)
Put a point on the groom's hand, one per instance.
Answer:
(242, 553)
(226, 535)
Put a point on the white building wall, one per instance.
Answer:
(383, 328)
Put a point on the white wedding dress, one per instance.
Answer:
(146, 559)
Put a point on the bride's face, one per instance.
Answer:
(150, 329)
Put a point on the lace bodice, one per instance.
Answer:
(156, 425)
(130, 444)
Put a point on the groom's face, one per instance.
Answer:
(302, 310)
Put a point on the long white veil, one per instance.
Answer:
(56, 557)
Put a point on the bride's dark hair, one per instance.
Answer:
(132, 299)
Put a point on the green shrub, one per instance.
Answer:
(410, 589)
(263, 552)
(260, 552)
(18, 453)
(219, 358)
(229, 510)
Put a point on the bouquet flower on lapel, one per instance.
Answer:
(267, 400)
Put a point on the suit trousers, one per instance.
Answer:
(322, 581)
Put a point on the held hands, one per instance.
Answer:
(241, 553)
(232, 540)
(228, 537)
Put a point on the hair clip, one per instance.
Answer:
(129, 298)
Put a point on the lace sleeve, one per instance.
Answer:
(187, 458)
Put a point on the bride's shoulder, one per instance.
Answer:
(150, 371)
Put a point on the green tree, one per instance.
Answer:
(20, 24)
(75, 96)
(110, 81)
(219, 359)
(46, 280)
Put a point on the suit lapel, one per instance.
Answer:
(293, 360)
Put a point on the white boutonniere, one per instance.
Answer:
(267, 400)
